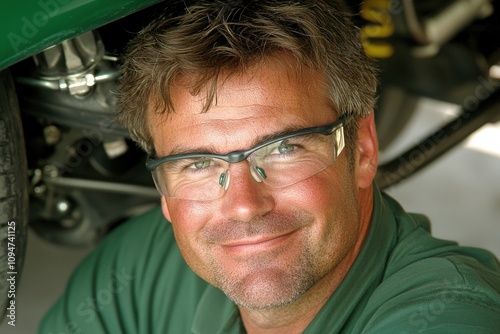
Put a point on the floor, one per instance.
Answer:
(460, 193)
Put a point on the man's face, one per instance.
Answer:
(263, 247)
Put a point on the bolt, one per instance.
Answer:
(63, 206)
(115, 148)
(40, 190)
(494, 72)
(51, 171)
(52, 135)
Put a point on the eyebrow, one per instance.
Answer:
(210, 149)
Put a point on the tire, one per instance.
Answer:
(13, 195)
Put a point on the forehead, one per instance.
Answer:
(267, 98)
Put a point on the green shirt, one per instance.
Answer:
(403, 281)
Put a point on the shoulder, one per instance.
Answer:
(135, 278)
(437, 295)
(433, 286)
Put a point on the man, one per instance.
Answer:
(257, 117)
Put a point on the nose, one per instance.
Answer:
(245, 197)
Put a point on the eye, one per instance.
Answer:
(280, 150)
(202, 164)
(285, 148)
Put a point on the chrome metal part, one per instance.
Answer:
(69, 66)
(494, 72)
(78, 217)
(115, 148)
(52, 135)
(76, 211)
(50, 171)
(72, 58)
(435, 31)
(110, 187)
(64, 85)
(93, 111)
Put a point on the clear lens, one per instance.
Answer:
(195, 179)
(294, 159)
(278, 164)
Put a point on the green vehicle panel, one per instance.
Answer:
(30, 26)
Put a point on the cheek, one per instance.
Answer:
(331, 198)
(188, 219)
(327, 192)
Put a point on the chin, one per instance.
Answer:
(267, 289)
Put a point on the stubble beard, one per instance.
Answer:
(270, 288)
(269, 282)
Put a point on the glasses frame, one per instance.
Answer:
(240, 155)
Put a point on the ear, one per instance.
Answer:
(164, 209)
(366, 152)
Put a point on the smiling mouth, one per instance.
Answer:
(256, 244)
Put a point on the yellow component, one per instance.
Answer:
(380, 27)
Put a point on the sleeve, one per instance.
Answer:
(134, 282)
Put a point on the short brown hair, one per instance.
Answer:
(212, 36)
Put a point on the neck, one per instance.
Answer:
(295, 317)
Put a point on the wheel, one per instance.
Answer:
(13, 197)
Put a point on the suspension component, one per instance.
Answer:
(375, 34)
(70, 65)
(433, 31)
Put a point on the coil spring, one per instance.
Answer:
(380, 26)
